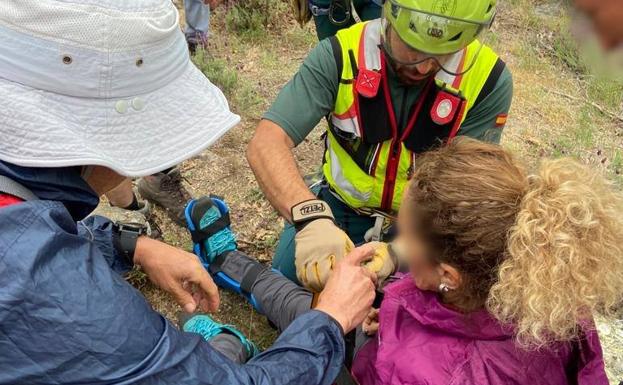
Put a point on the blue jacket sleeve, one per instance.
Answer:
(68, 318)
(310, 351)
(98, 230)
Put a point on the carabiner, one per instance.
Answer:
(343, 5)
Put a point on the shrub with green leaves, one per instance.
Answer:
(254, 18)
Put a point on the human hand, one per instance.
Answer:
(370, 325)
(382, 263)
(178, 272)
(349, 292)
(319, 246)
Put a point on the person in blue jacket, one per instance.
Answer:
(91, 93)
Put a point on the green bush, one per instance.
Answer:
(254, 18)
(249, 17)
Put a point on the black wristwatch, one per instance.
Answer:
(125, 235)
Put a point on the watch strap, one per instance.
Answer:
(310, 210)
(125, 237)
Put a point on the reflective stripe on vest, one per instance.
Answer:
(374, 175)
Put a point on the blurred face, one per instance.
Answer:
(412, 250)
(425, 272)
(606, 16)
(412, 66)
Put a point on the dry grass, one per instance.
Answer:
(543, 123)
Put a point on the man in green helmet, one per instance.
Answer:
(390, 89)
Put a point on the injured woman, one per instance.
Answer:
(502, 273)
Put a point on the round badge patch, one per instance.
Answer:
(444, 108)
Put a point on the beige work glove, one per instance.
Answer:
(302, 14)
(319, 243)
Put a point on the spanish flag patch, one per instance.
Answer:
(500, 120)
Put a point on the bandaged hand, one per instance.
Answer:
(383, 263)
(349, 293)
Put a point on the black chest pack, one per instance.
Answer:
(432, 120)
(435, 117)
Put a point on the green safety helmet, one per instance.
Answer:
(439, 27)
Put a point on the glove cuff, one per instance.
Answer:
(310, 210)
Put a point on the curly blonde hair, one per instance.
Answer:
(542, 252)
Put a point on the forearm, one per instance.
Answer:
(144, 246)
(271, 159)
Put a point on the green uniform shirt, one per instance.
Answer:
(310, 95)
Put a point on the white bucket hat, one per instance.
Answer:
(102, 82)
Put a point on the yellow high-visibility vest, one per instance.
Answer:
(368, 160)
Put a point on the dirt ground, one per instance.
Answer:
(253, 54)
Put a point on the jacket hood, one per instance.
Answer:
(426, 308)
(63, 184)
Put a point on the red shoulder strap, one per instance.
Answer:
(8, 200)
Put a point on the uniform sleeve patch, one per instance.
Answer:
(500, 120)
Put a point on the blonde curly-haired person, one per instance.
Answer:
(507, 269)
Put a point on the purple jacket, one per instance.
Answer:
(422, 342)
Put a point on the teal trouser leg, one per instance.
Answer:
(366, 9)
(353, 224)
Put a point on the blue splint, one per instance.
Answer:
(209, 225)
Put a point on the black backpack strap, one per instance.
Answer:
(249, 279)
(201, 206)
(11, 187)
(337, 56)
(250, 276)
(492, 81)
